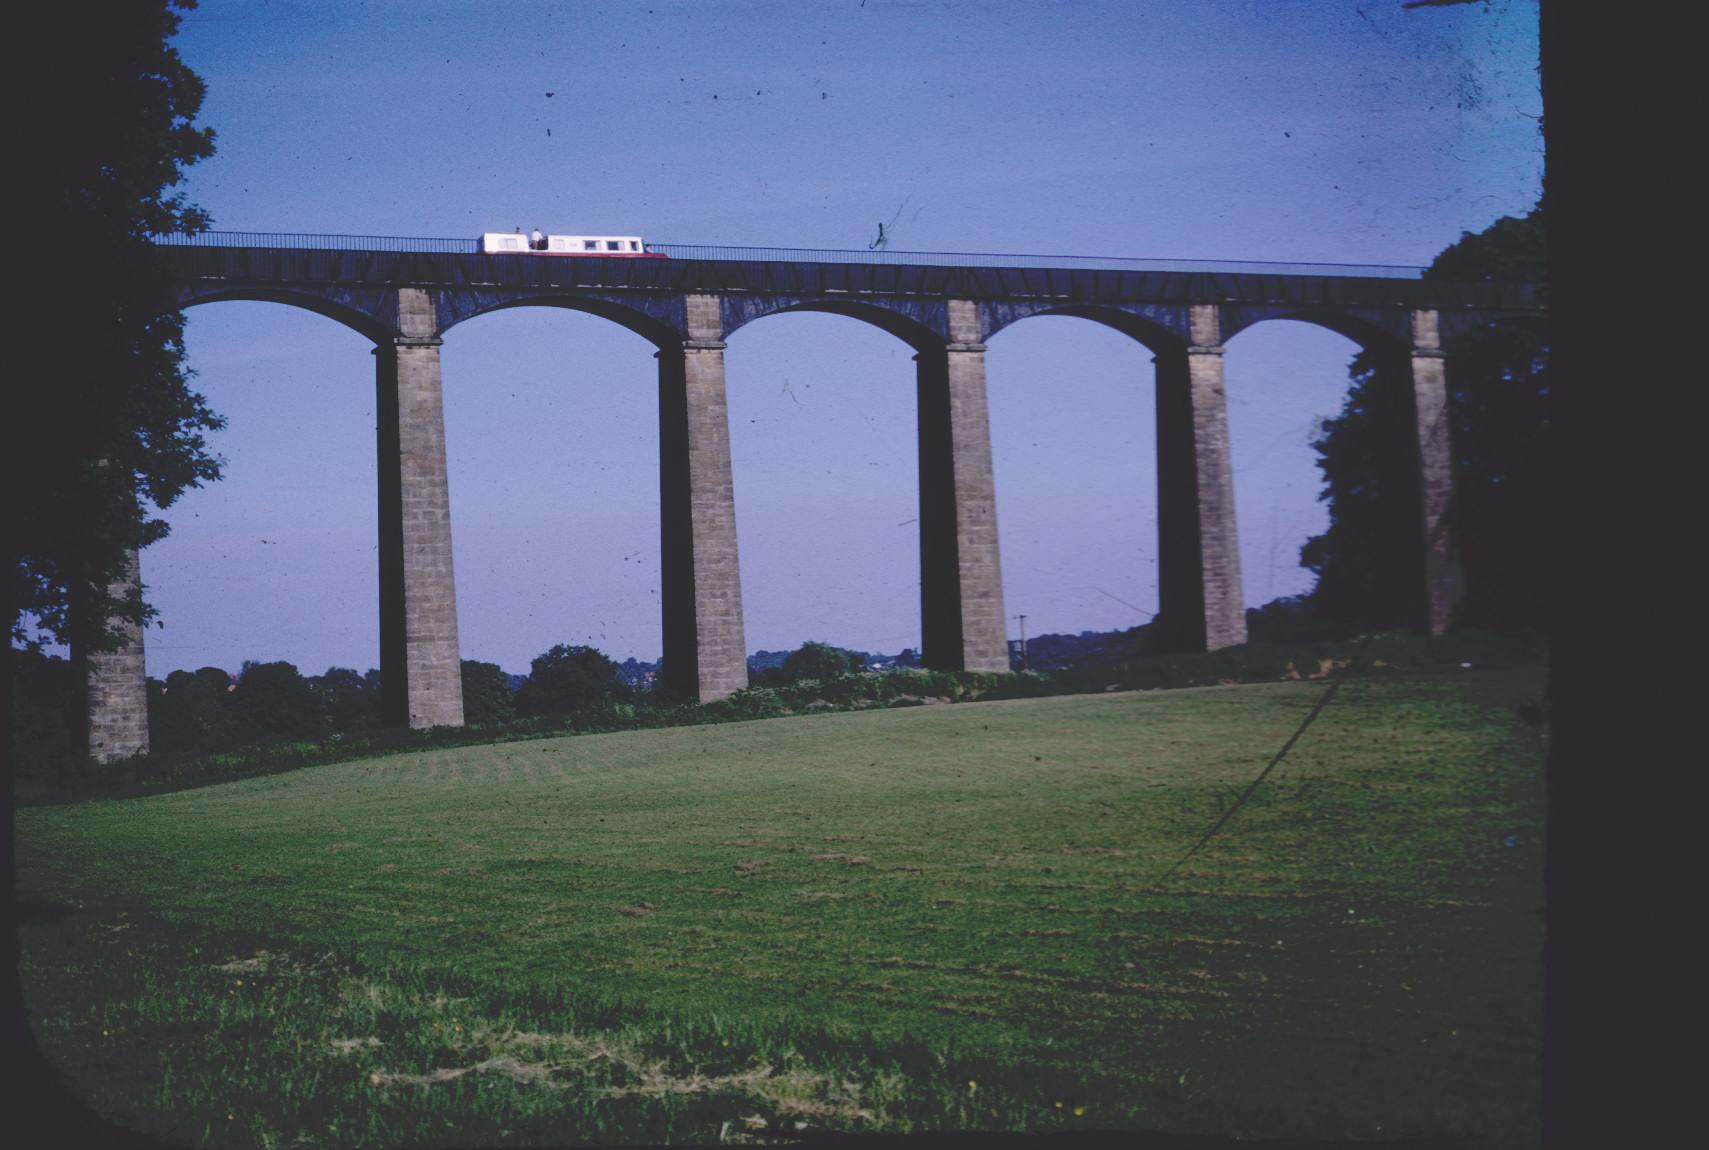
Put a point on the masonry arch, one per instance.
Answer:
(1498, 383)
(552, 452)
(1374, 330)
(364, 321)
(824, 434)
(1286, 374)
(1160, 330)
(920, 327)
(291, 523)
(1074, 447)
(461, 307)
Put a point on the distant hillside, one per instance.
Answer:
(1051, 651)
(1285, 620)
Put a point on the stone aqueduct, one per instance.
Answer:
(404, 295)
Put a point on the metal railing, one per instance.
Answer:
(1012, 260)
(343, 243)
(320, 243)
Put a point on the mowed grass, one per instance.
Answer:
(949, 917)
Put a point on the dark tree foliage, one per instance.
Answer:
(1369, 562)
(1052, 651)
(43, 696)
(275, 701)
(1290, 619)
(117, 418)
(210, 710)
(1513, 248)
(568, 679)
(194, 711)
(1498, 395)
(487, 697)
(635, 672)
(813, 660)
(349, 700)
(1500, 409)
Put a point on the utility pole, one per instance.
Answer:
(1023, 620)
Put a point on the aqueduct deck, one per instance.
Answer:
(404, 294)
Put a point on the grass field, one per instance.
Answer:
(946, 917)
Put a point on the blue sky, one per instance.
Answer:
(1205, 129)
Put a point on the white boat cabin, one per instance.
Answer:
(565, 245)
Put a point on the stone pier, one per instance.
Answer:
(961, 578)
(116, 706)
(1199, 589)
(421, 682)
(1435, 470)
(705, 652)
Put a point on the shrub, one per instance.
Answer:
(195, 711)
(44, 714)
(813, 660)
(752, 703)
(351, 701)
(487, 698)
(566, 679)
(275, 700)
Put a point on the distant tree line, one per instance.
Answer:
(212, 710)
(768, 668)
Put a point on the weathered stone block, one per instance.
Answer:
(961, 581)
(704, 639)
(420, 668)
(116, 703)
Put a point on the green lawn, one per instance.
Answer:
(930, 918)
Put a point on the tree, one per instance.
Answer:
(350, 701)
(195, 711)
(1370, 560)
(569, 679)
(277, 702)
(119, 426)
(43, 693)
(813, 660)
(636, 673)
(1499, 404)
(487, 696)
